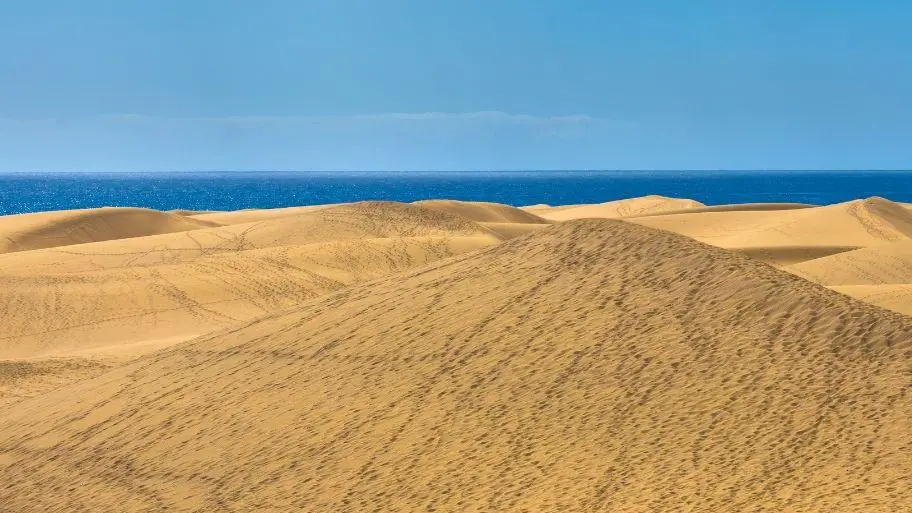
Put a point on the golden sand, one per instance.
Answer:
(615, 209)
(449, 356)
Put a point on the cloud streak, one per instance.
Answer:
(416, 140)
(433, 116)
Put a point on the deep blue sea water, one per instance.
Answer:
(30, 192)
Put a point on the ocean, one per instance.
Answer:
(32, 192)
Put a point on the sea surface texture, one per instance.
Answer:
(32, 192)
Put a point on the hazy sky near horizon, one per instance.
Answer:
(471, 84)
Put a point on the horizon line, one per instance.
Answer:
(505, 170)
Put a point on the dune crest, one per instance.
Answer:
(334, 223)
(880, 275)
(504, 221)
(483, 212)
(735, 207)
(892, 296)
(255, 215)
(127, 297)
(593, 365)
(25, 232)
(883, 264)
(188, 213)
(615, 209)
(786, 237)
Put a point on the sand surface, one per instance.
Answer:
(483, 212)
(881, 274)
(62, 228)
(614, 209)
(896, 297)
(453, 356)
(125, 297)
(254, 215)
(734, 207)
(786, 237)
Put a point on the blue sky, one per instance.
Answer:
(469, 84)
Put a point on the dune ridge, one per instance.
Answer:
(131, 296)
(883, 264)
(880, 275)
(617, 368)
(25, 232)
(632, 207)
(892, 296)
(504, 221)
(334, 223)
(483, 212)
(735, 207)
(787, 237)
(189, 213)
(255, 215)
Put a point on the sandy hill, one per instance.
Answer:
(614, 209)
(881, 275)
(786, 237)
(886, 263)
(503, 220)
(482, 211)
(896, 297)
(187, 213)
(734, 207)
(343, 222)
(255, 215)
(24, 232)
(133, 295)
(595, 365)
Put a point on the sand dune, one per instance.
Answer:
(896, 297)
(781, 256)
(130, 311)
(883, 264)
(482, 212)
(255, 215)
(614, 209)
(344, 222)
(880, 275)
(594, 365)
(187, 213)
(505, 231)
(785, 237)
(504, 221)
(735, 207)
(21, 379)
(26, 232)
(127, 297)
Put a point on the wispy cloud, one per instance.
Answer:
(487, 115)
(399, 140)
(481, 116)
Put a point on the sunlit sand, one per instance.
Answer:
(649, 354)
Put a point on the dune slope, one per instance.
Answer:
(24, 232)
(896, 297)
(336, 223)
(880, 275)
(632, 207)
(482, 211)
(736, 207)
(593, 365)
(254, 215)
(786, 237)
(504, 221)
(127, 297)
(884, 264)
